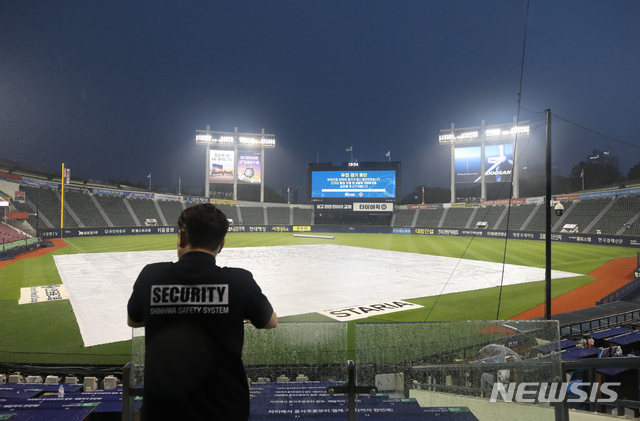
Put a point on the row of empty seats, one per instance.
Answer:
(618, 215)
(87, 210)
(9, 235)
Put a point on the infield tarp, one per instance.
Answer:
(296, 279)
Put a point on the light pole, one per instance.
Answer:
(547, 270)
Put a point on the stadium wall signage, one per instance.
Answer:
(106, 232)
(372, 207)
(620, 192)
(157, 196)
(109, 192)
(167, 197)
(76, 188)
(426, 206)
(329, 206)
(11, 177)
(401, 231)
(39, 183)
(197, 199)
(223, 201)
(506, 202)
(124, 193)
(139, 195)
(597, 239)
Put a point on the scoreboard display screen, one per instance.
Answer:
(351, 182)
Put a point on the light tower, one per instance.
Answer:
(488, 154)
(234, 151)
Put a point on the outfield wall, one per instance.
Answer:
(597, 239)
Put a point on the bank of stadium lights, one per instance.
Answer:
(504, 133)
(208, 139)
(488, 134)
(226, 140)
(462, 136)
(255, 141)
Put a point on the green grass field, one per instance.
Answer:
(48, 332)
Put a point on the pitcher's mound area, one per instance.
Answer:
(297, 280)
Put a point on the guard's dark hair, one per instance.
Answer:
(205, 226)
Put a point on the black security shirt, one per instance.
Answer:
(194, 314)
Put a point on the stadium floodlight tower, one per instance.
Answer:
(232, 152)
(484, 154)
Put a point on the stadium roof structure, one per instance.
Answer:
(17, 168)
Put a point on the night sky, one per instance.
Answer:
(117, 89)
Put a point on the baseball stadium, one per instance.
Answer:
(415, 301)
(368, 209)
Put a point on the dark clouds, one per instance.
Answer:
(117, 89)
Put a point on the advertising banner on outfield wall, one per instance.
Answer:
(106, 232)
(402, 231)
(261, 228)
(598, 239)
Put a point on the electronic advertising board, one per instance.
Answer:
(498, 163)
(221, 166)
(249, 168)
(363, 181)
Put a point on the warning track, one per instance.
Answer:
(58, 243)
(609, 277)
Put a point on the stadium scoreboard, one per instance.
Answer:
(354, 181)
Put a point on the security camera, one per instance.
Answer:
(558, 208)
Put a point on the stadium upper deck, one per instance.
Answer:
(615, 212)
(617, 215)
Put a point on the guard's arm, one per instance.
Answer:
(135, 324)
(273, 321)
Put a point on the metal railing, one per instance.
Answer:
(592, 364)
(621, 292)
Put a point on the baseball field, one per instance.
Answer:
(48, 331)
